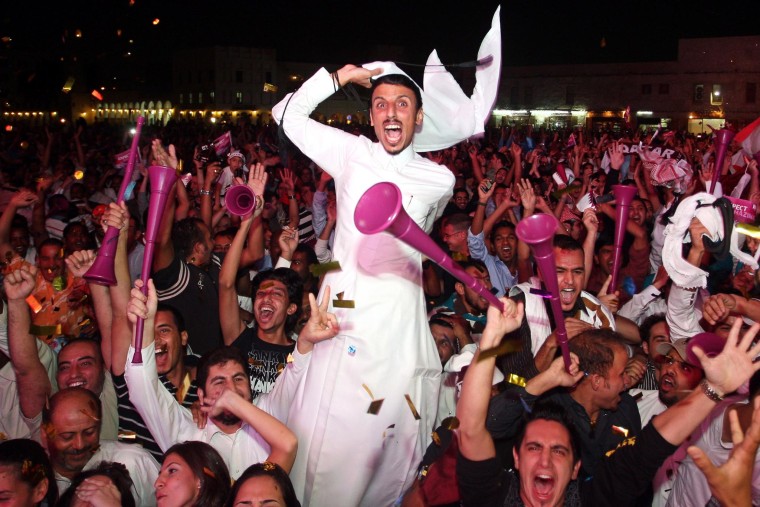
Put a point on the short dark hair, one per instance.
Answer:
(400, 80)
(30, 464)
(292, 283)
(500, 225)
(51, 242)
(565, 242)
(459, 221)
(595, 350)
(116, 472)
(217, 356)
(185, 234)
(550, 411)
(179, 321)
(647, 324)
(208, 467)
(276, 473)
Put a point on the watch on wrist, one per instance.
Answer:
(710, 392)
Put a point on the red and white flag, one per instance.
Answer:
(120, 159)
(749, 138)
(223, 144)
(571, 140)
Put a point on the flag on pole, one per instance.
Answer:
(222, 144)
(571, 140)
(120, 159)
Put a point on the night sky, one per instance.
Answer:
(339, 31)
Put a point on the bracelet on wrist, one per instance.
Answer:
(204, 192)
(710, 392)
(482, 203)
(291, 196)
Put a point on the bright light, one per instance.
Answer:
(716, 93)
(643, 113)
(213, 120)
(133, 131)
(156, 21)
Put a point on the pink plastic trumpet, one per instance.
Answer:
(161, 181)
(538, 232)
(380, 209)
(102, 271)
(624, 195)
(240, 200)
(723, 138)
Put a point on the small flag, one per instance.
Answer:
(120, 159)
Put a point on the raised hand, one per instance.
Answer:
(22, 199)
(80, 262)
(20, 283)
(499, 323)
(322, 325)
(288, 242)
(735, 364)
(164, 156)
(287, 182)
(357, 75)
(140, 305)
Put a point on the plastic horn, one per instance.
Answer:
(380, 209)
(624, 195)
(101, 272)
(538, 232)
(710, 343)
(240, 200)
(723, 138)
(161, 181)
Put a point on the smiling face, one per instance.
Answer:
(50, 261)
(176, 485)
(570, 273)
(73, 434)
(394, 115)
(271, 306)
(19, 240)
(545, 462)
(637, 212)
(80, 365)
(170, 342)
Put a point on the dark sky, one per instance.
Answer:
(331, 30)
(341, 31)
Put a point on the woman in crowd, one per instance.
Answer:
(263, 482)
(26, 476)
(192, 474)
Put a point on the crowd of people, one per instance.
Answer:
(286, 356)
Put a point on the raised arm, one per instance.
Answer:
(32, 380)
(164, 253)
(475, 443)
(20, 199)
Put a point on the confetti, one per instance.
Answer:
(255, 362)
(289, 359)
(33, 303)
(638, 396)
(348, 303)
(127, 435)
(515, 379)
(266, 285)
(351, 350)
(86, 413)
(320, 269)
(620, 431)
(412, 407)
(506, 347)
(366, 388)
(374, 407)
(388, 428)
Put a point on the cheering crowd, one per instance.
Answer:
(279, 354)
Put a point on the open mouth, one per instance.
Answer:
(76, 383)
(393, 132)
(566, 296)
(543, 485)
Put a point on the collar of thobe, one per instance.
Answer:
(451, 116)
(397, 162)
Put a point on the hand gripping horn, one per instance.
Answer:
(380, 209)
(538, 232)
(240, 200)
(161, 181)
(102, 272)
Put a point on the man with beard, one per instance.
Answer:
(467, 303)
(242, 433)
(79, 363)
(71, 435)
(502, 265)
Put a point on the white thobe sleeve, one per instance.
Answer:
(167, 420)
(277, 402)
(681, 317)
(633, 308)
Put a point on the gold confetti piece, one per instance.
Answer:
(374, 407)
(620, 431)
(266, 285)
(339, 295)
(33, 303)
(637, 397)
(436, 438)
(320, 269)
(289, 359)
(280, 367)
(255, 362)
(412, 407)
(348, 303)
(388, 428)
(127, 435)
(366, 388)
(450, 423)
(86, 413)
(506, 347)
(515, 379)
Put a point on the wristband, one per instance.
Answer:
(710, 392)
(482, 203)
(204, 192)
(291, 196)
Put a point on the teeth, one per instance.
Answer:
(76, 384)
(568, 290)
(392, 127)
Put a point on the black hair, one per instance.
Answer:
(565, 242)
(400, 80)
(551, 411)
(30, 464)
(292, 283)
(185, 234)
(208, 467)
(217, 356)
(647, 324)
(276, 473)
(116, 472)
(51, 241)
(595, 350)
(500, 225)
(459, 221)
(179, 321)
